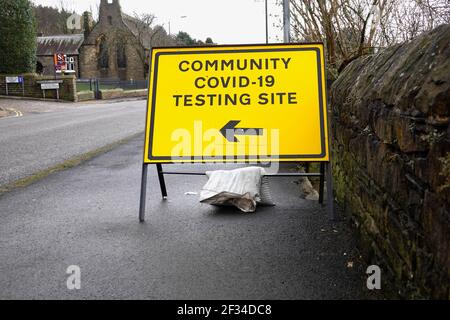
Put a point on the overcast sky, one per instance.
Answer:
(225, 21)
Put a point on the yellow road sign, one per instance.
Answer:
(234, 103)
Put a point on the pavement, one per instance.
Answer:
(43, 134)
(88, 216)
(4, 113)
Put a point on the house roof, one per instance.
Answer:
(139, 29)
(68, 44)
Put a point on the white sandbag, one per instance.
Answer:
(239, 187)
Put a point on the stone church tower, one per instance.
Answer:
(112, 49)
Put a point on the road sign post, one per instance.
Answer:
(50, 85)
(15, 79)
(247, 103)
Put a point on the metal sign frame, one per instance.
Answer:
(55, 83)
(325, 173)
(15, 80)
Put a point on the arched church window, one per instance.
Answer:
(121, 55)
(103, 55)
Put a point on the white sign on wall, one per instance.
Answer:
(18, 79)
(49, 85)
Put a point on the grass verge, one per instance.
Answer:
(70, 163)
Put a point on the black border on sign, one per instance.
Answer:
(223, 49)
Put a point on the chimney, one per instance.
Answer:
(88, 23)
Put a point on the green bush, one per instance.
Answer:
(17, 37)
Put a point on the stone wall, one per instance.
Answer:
(32, 88)
(120, 93)
(391, 148)
(85, 96)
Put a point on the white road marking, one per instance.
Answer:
(17, 113)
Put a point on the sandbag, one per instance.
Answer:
(239, 187)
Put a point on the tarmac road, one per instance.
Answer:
(42, 139)
(88, 216)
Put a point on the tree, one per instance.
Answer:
(141, 26)
(183, 38)
(51, 21)
(352, 28)
(17, 37)
(409, 18)
(346, 27)
(146, 35)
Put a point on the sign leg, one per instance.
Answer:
(321, 182)
(330, 195)
(162, 183)
(143, 193)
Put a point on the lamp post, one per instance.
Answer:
(181, 17)
(286, 21)
(267, 23)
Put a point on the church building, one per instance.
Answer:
(116, 47)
